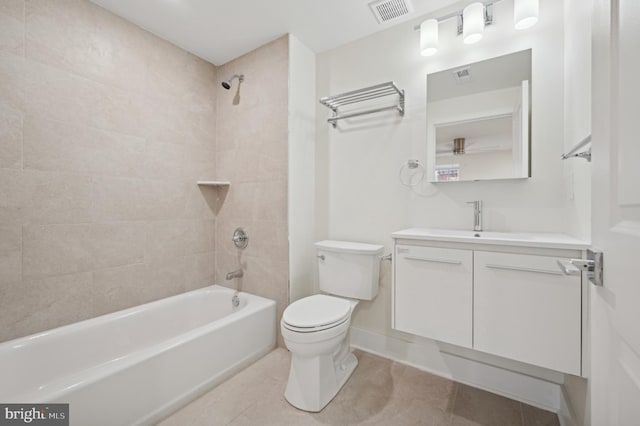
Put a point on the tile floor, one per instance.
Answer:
(380, 392)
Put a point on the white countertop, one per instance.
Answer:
(525, 239)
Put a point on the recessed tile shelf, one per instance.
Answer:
(216, 183)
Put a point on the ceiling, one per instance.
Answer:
(221, 30)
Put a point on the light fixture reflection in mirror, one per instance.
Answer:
(478, 120)
(525, 13)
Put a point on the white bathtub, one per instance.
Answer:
(137, 365)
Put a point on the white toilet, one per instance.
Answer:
(315, 329)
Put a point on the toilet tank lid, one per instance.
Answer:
(349, 247)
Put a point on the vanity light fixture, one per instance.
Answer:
(472, 20)
(472, 23)
(429, 37)
(525, 13)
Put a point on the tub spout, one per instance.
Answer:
(235, 274)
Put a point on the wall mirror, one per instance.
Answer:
(478, 120)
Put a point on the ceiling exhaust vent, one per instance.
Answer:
(462, 75)
(388, 10)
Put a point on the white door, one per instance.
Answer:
(615, 308)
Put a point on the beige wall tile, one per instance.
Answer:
(193, 161)
(54, 94)
(57, 146)
(171, 119)
(12, 26)
(87, 107)
(201, 236)
(254, 133)
(118, 110)
(10, 238)
(13, 8)
(166, 239)
(165, 277)
(166, 200)
(56, 198)
(184, 77)
(200, 161)
(10, 136)
(12, 80)
(119, 199)
(227, 260)
(239, 203)
(267, 239)
(37, 305)
(204, 202)
(165, 160)
(200, 270)
(11, 197)
(86, 40)
(10, 254)
(271, 201)
(273, 161)
(230, 165)
(119, 288)
(62, 249)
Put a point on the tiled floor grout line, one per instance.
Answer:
(453, 405)
(521, 413)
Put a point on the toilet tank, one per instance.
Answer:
(349, 269)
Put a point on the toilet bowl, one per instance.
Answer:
(316, 331)
(316, 328)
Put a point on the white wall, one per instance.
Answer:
(365, 200)
(302, 109)
(577, 94)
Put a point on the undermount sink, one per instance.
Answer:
(530, 239)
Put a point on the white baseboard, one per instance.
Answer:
(536, 391)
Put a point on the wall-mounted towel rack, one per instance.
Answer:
(361, 95)
(574, 151)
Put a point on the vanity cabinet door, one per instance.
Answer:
(526, 309)
(433, 293)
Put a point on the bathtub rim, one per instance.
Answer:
(123, 313)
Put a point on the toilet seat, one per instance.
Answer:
(316, 313)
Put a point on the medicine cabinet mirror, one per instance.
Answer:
(478, 120)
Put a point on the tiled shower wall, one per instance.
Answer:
(251, 151)
(104, 130)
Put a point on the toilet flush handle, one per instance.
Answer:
(321, 256)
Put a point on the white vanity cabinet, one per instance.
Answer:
(497, 294)
(436, 294)
(525, 308)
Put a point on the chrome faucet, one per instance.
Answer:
(477, 215)
(235, 274)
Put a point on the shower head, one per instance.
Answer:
(227, 83)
